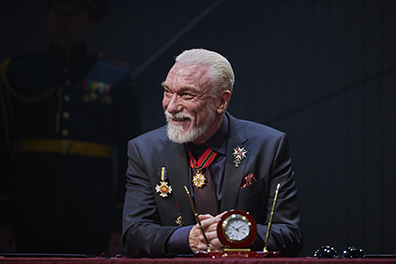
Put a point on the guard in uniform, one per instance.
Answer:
(66, 118)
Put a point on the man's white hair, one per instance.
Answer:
(220, 70)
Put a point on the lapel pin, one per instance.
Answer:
(239, 154)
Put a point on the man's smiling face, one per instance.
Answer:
(188, 103)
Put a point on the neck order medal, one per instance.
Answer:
(204, 161)
(198, 179)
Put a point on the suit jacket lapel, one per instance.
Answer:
(233, 176)
(178, 174)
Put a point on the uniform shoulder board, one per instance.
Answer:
(114, 61)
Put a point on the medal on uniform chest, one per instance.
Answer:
(96, 91)
(239, 154)
(163, 188)
(86, 98)
(94, 96)
(204, 161)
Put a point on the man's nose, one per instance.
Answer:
(174, 104)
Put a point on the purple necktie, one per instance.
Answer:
(205, 196)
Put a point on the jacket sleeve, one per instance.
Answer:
(272, 165)
(285, 235)
(143, 236)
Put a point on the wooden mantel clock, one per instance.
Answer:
(237, 230)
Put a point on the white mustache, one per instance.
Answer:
(179, 115)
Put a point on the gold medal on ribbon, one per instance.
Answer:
(198, 179)
(204, 161)
(163, 188)
(86, 98)
(94, 96)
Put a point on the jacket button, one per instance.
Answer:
(66, 98)
(66, 115)
(65, 132)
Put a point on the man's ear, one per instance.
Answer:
(222, 101)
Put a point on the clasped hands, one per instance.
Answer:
(209, 224)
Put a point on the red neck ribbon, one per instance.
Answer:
(204, 161)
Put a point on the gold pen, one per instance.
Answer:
(196, 216)
(270, 221)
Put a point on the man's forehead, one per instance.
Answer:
(186, 73)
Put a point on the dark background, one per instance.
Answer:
(323, 71)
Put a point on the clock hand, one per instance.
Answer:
(239, 226)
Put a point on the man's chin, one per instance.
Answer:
(178, 135)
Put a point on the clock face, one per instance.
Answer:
(237, 229)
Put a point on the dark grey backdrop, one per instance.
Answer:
(323, 71)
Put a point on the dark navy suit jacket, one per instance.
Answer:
(149, 219)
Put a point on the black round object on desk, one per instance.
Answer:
(325, 252)
(353, 252)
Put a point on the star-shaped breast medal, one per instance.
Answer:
(239, 154)
(163, 189)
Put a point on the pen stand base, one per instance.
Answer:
(238, 254)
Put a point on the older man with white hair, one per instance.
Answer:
(224, 162)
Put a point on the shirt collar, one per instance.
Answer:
(218, 142)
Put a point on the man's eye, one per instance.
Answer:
(187, 95)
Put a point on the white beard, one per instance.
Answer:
(178, 135)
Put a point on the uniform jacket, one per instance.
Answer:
(73, 197)
(149, 219)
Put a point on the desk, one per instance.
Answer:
(308, 260)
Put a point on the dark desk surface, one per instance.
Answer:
(307, 260)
